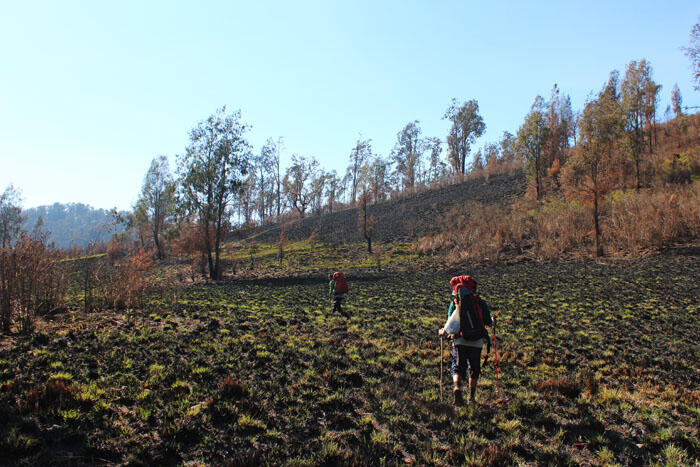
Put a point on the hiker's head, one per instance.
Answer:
(330, 276)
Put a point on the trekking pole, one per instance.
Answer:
(441, 377)
(495, 354)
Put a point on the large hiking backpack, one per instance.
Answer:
(471, 317)
(339, 283)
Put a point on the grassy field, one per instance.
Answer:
(599, 364)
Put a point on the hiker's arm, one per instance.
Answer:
(441, 331)
(450, 309)
(330, 284)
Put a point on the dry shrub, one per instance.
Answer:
(677, 157)
(32, 282)
(564, 386)
(630, 222)
(545, 230)
(117, 248)
(53, 396)
(493, 455)
(124, 284)
(587, 380)
(232, 389)
(691, 399)
(474, 231)
(560, 227)
(313, 239)
(131, 278)
(190, 240)
(653, 219)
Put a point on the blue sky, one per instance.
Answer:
(91, 91)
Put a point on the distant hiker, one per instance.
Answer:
(338, 289)
(469, 333)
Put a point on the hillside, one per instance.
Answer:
(405, 218)
(72, 224)
(677, 157)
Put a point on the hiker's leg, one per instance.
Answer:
(459, 371)
(340, 307)
(474, 357)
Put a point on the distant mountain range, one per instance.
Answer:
(73, 224)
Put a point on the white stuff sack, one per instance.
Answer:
(452, 325)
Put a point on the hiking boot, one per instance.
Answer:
(459, 400)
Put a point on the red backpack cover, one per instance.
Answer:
(462, 281)
(339, 283)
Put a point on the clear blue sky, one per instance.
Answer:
(91, 91)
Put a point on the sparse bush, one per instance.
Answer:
(32, 282)
(117, 248)
(564, 386)
(281, 244)
(653, 219)
(123, 285)
(587, 380)
(313, 239)
(253, 248)
(560, 227)
(232, 389)
(546, 230)
(677, 168)
(631, 222)
(56, 394)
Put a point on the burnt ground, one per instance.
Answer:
(598, 364)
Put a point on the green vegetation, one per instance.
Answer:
(598, 365)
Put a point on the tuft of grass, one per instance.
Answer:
(61, 376)
(675, 456)
(605, 455)
(157, 373)
(250, 424)
(181, 387)
(19, 442)
(329, 450)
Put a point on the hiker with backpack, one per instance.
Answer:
(338, 288)
(468, 315)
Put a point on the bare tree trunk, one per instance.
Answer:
(6, 311)
(156, 240)
(208, 247)
(88, 286)
(598, 246)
